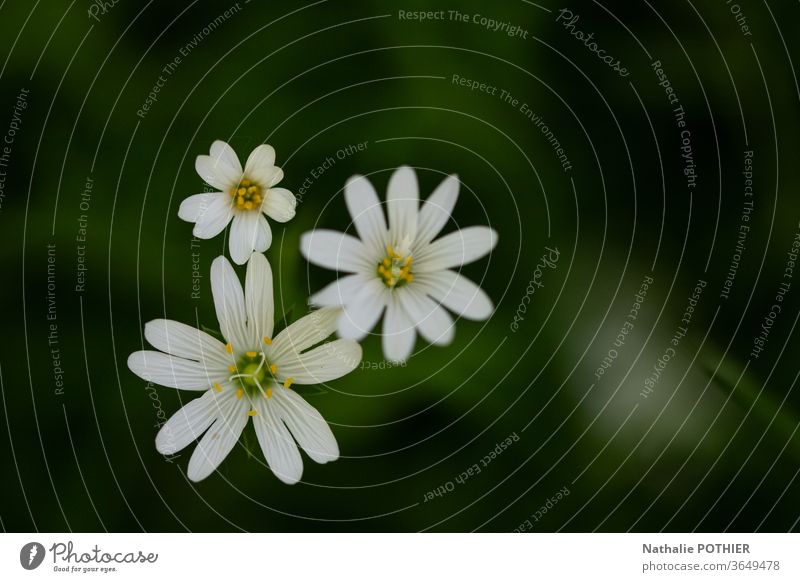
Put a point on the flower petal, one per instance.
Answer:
(276, 443)
(402, 201)
(365, 210)
(456, 293)
(279, 204)
(229, 303)
(336, 250)
(244, 235)
(305, 332)
(261, 157)
(185, 341)
(436, 210)
(455, 249)
(190, 422)
(220, 150)
(266, 176)
(174, 372)
(217, 172)
(339, 292)
(215, 217)
(192, 207)
(432, 321)
(307, 426)
(324, 363)
(363, 312)
(219, 440)
(258, 298)
(398, 332)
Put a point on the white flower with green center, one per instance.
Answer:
(401, 269)
(245, 196)
(249, 377)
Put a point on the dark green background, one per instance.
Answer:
(714, 447)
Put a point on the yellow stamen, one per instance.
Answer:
(269, 393)
(241, 191)
(231, 368)
(251, 354)
(267, 341)
(273, 368)
(248, 205)
(288, 382)
(217, 387)
(239, 393)
(251, 413)
(229, 348)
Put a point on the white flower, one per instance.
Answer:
(244, 196)
(250, 377)
(401, 268)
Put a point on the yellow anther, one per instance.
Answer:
(288, 382)
(239, 393)
(241, 191)
(248, 205)
(273, 368)
(252, 189)
(387, 262)
(231, 368)
(269, 393)
(251, 354)
(229, 348)
(217, 387)
(409, 277)
(251, 413)
(408, 261)
(267, 341)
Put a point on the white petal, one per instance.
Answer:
(324, 363)
(432, 321)
(189, 422)
(336, 250)
(307, 426)
(266, 176)
(365, 210)
(363, 312)
(219, 440)
(402, 200)
(261, 157)
(456, 249)
(436, 210)
(258, 298)
(194, 206)
(217, 172)
(305, 332)
(279, 204)
(339, 292)
(215, 217)
(276, 443)
(229, 304)
(457, 293)
(220, 150)
(244, 235)
(174, 372)
(398, 333)
(185, 341)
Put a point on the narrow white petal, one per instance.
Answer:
(335, 250)
(324, 363)
(195, 205)
(243, 236)
(436, 210)
(434, 323)
(258, 298)
(264, 235)
(363, 312)
(229, 303)
(279, 204)
(219, 440)
(189, 422)
(185, 341)
(398, 333)
(402, 200)
(261, 157)
(307, 331)
(174, 372)
(456, 293)
(277, 443)
(220, 150)
(215, 217)
(307, 426)
(366, 212)
(217, 172)
(339, 292)
(455, 249)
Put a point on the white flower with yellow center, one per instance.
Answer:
(401, 269)
(249, 377)
(244, 197)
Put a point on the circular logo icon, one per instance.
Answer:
(31, 555)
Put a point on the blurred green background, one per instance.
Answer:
(713, 447)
